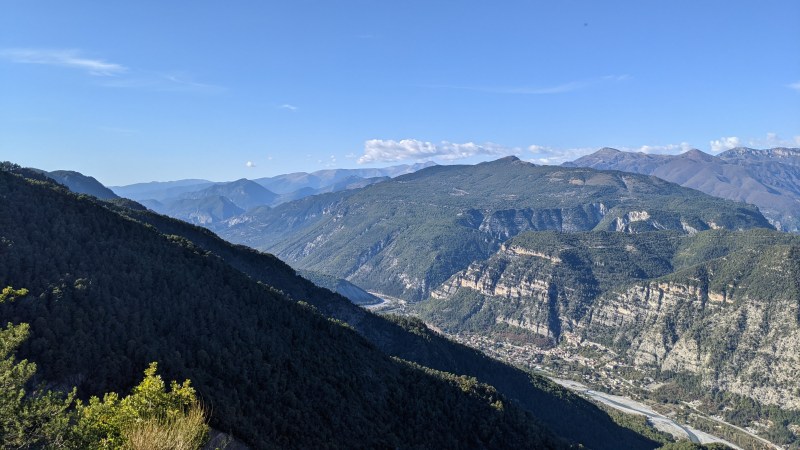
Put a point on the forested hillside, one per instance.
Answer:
(109, 294)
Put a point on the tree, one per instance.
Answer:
(150, 417)
(27, 419)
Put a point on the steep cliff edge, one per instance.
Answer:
(717, 305)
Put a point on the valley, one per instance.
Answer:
(653, 298)
(618, 386)
(605, 379)
(399, 225)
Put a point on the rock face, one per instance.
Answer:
(749, 346)
(718, 305)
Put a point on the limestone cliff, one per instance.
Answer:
(722, 306)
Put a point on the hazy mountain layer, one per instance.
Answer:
(288, 183)
(203, 202)
(769, 179)
(160, 190)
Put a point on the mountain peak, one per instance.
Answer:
(696, 155)
(506, 160)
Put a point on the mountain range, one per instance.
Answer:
(281, 362)
(622, 277)
(204, 202)
(406, 236)
(769, 179)
(691, 291)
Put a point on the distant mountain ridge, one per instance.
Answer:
(160, 190)
(243, 193)
(784, 154)
(204, 202)
(284, 184)
(80, 183)
(769, 179)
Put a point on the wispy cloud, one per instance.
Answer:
(111, 74)
(380, 150)
(64, 58)
(288, 107)
(163, 82)
(724, 143)
(540, 90)
(250, 164)
(329, 163)
(795, 86)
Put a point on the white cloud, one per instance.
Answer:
(773, 140)
(63, 58)
(379, 150)
(553, 156)
(250, 164)
(668, 149)
(289, 107)
(724, 143)
(795, 86)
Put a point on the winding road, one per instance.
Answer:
(658, 420)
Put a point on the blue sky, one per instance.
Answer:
(155, 90)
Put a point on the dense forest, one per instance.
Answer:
(108, 295)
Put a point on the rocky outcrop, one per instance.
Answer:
(732, 320)
(508, 223)
(749, 346)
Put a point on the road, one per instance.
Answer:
(658, 420)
